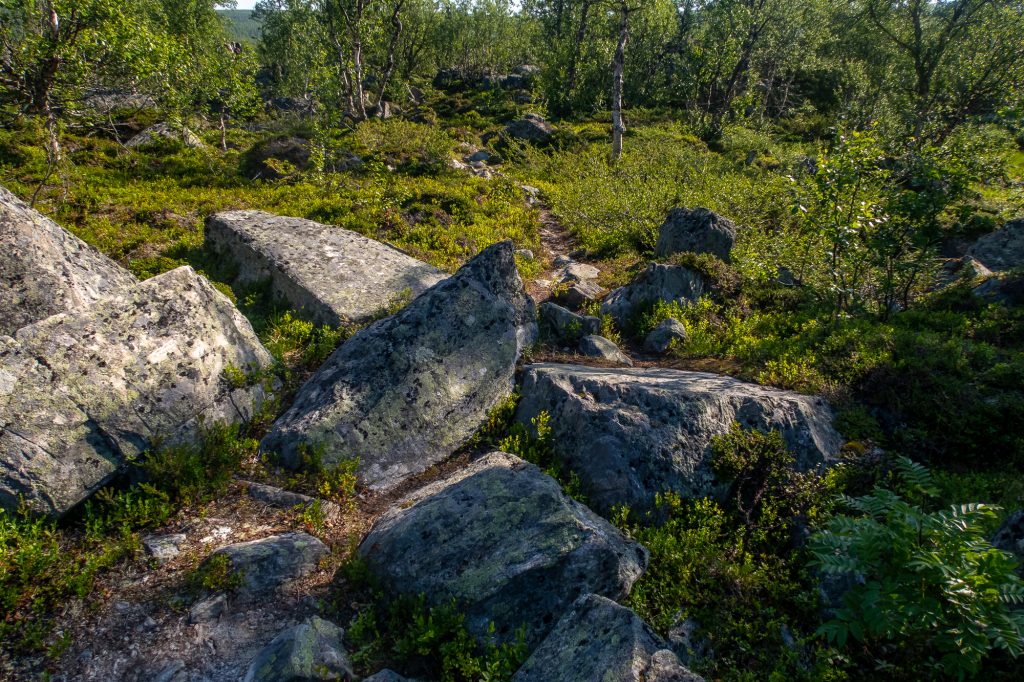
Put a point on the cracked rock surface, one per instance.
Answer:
(83, 392)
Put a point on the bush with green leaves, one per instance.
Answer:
(734, 567)
(930, 592)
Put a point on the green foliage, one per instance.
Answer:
(216, 574)
(404, 632)
(931, 593)
(766, 492)
(196, 472)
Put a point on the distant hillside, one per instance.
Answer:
(241, 26)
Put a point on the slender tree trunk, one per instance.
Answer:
(389, 66)
(618, 66)
(581, 34)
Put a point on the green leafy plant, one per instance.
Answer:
(930, 589)
(216, 574)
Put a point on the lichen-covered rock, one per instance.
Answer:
(262, 566)
(332, 276)
(697, 231)
(83, 392)
(45, 270)
(406, 392)
(165, 131)
(273, 159)
(599, 640)
(599, 347)
(576, 294)
(657, 283)
(632, 433)
(563, 325)
(310, 651)
(532, 128)
(286, 499)
(1003, 249)
(502, 539)
(669, 331)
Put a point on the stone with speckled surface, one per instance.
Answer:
(83, 392)
(45, 270)
(630, 434)
(502, 539)
(406, 392)
(330, 275)
(599, 641)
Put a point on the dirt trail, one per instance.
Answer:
(555, 241)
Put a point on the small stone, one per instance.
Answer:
(308, 652)
(668, 332)
(387, 675)
(599, 347)
(563, 325)
(525, 254)
(208, 610)
(579, 294)
(578, 272)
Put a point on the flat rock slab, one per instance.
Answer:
(406, 392)
(269, 563)
(83, 392)
(45, 270)
(502, 539)
(600, 640)
(332, 276)
(632, 433)
(307, 652)
(286, 499)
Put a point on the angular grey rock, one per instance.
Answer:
(697, 231)
(310, 651)
(661, 338)
(579, 293)
(406, 392)
(45, 270)
(332, 276)
(480, 155)
(599, 347)
(267, 564)
(563, 325)
(165, 131)
(208, 609)
(657, 283)
(83, 392)
(578, 272)
(163, 548)
(532, 128)
(286, 499)
(599, 640)
(687, 642)
(632, 433)
(502, 539)
(387, 676)
(1003, 249)
(525, 254)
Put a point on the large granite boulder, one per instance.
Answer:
(307, 652)
(1003, 249)
(697, 231)
(404, 393)
(331, 275)
(599, 640)
(503, 540)
(45, 270)
(532, 129)
(632, 433)
(656, 283)
(83, 392)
